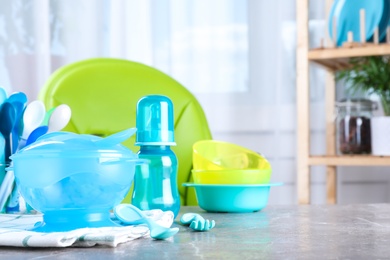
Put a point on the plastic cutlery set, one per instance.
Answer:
(22, 124)
(128, 214)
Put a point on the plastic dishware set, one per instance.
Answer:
(230, 178)
(74, 180)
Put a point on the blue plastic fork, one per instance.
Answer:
(197, 222)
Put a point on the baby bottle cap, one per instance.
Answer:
(155, 121)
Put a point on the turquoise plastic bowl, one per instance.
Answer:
(232, 198)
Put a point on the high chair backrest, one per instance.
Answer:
(102, 94)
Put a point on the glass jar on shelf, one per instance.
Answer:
(353, 126)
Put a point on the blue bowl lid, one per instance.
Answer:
(66, 144)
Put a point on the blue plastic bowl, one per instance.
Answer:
(72, 180)
(232, 198)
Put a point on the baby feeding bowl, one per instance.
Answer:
(74, 180)
(235, 176)
(219, 155)
(232, 198)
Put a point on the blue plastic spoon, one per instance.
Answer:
(7, 119)
(19, 107)
(2, 158)
(18, 100)
(17, 97)
(130, 214)
(36, 133)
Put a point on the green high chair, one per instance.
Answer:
(102, 94)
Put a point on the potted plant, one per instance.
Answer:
(371, 75)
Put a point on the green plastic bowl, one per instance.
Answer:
(237, 176)
(232, 198)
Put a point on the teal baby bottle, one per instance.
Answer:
(155, 183)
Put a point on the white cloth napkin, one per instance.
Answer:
(13, 232)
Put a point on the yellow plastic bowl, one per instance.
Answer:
(240, 176)
(218, 155)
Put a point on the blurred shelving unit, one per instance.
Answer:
(331, 59)
(334, 59)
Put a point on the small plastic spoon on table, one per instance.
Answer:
(130, 214)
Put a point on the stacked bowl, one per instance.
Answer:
(230, 178)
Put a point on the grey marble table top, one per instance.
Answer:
(360, 231)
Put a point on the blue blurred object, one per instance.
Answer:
(385, 19)
(231, 197)
(19, 101)
(17, 97)
(6, 189)
(12, 205)
(155, 184)
(7, 119)
(347, 14)
(73, 180)
(3, 95)
(2, 158)
(19, 107)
